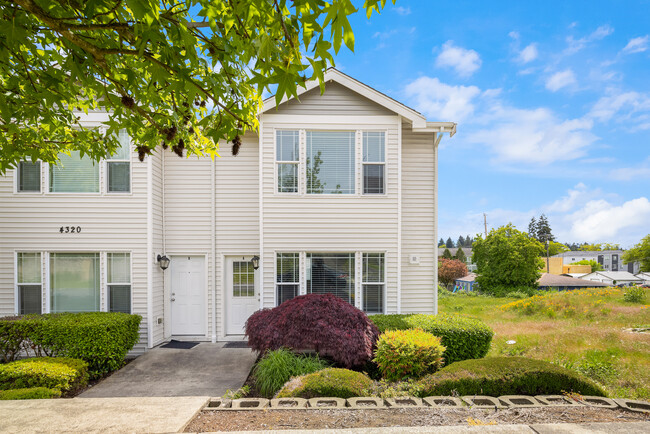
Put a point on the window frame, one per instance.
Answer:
(17, 178)
(297, 283)
(18, 284)
(277, 163)
(107, 285)
(373, 163)
(355, 165)
(107, 162)
(382, 282)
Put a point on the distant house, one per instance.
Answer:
(574, 275)
(644, 276)
(613, 277)
(467, 283)
(611, 260)
(563, 283)
(466, 250)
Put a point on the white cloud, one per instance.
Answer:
(600, 219)
(631, 110)
(402, 10)
(464, 61)
(573, 197)
(529, 53)
(560, 79)
(575, 45)
(632, 173)
(637, 45)
(441, 101)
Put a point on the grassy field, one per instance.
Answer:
(585, 330)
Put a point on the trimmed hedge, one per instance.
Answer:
(330, 382)
(497, 376)
(102, 339)
(59, 373)
(320, 322)
(29, 393)
(404, 354)
(465, 338)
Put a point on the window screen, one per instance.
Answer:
(74, 175)
(330, 162)
(29, 176)
(287, 277)
(74, 282)
(331, 273)
(119, 282)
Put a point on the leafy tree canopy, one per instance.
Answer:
(599, 247)
(449, 270)
(555, 248)
(183, 73)
(507, 260)
(640, 252)
(595, 266)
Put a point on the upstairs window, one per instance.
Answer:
(287, 157)
(74, 174)
(118, 167)
(330, 162)
(374, 162)
(29, 283)
(29, 176)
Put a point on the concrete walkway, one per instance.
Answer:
(205, 370)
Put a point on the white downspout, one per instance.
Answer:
(435, 222)
(214, 250)
(151, 261)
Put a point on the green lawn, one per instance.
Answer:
(582, 330)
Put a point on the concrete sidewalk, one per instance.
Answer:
(205, 370)
(105, 415)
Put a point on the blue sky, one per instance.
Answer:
(552, 101)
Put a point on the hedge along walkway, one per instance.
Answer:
(205, 370)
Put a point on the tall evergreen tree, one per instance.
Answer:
(449, 243)
(460, 255)
(441, 242)
(447, 254)
(544, 230)
(532, 228)
(460, 242)
(469, 241)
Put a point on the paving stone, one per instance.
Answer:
(634, 405)
(480, 401)
(404, 402)
(365, 402)
(443, 401)
(326, 403)
(556, 400)
(289, 403)
(249, 404)
(599, 401)
(218, 404)
(519, 401)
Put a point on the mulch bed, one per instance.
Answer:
(207, 421)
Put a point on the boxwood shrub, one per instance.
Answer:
(497, 376)
(29, 393)
(60, 373)
(464, 338)
(330, 382)
(404, 354)
(102, 339)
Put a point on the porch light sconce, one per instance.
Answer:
(256, 262)
(163, 261)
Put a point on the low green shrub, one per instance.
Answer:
(64, 374)
(634, 294)
(330, 382)
(102, 339)
(277, 367)
(496, 376)
(464, 338)
(404, 354)
(29, 393)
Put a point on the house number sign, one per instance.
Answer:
(70, 229)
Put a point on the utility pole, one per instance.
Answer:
(485, 223)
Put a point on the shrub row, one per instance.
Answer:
(59, 373)
(408, 354)
(102, 339)
(276, 368)
(464, 338)
(29, 393)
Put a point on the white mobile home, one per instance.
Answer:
(335, 193)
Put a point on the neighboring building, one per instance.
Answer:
(466, 250)
(574, 275)
(611, 260)
(554, 265)
(466, 283)
(645, 277)
(563, 283)
(336, 194)
(613, 277)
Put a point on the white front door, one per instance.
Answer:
(188, 295)
(241, 293)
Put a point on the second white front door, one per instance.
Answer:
(241, 293)
(188, 299)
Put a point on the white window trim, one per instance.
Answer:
(17, 180)
(17, 284)
(275, 274)
(383, 283)
(106, 285)
(107, 162)
(298, 163)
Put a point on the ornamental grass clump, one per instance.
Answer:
(404, 354)
(277, 367)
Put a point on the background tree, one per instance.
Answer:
(460, 255)
(591, 247)
(532, 228)
(543, 230)
(555, 248)
(449, 243)
(507, 260)
(183, 73)
(595, 266)
(449, 270)
(640, 252)
(441, 243)
(447, 254)
(468, 241)
(461, 241)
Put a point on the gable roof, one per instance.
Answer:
(551, 280)
(418, 121)
(614, 275)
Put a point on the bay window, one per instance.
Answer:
(28, 280)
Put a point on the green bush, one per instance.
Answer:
(465, 338)
(635, 294)
(404, 354)
(29, 393)
(59, 373)
(277, 367)
(496, 376)
(14, 336)
(330, 382)
(100, 338)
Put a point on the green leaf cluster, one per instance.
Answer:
(330, 382)
(595, 266)
(186, 74)
(507, 258)
(277, 367)
(59, 373)
(402, 354)
(29, 393)
(640, 252)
